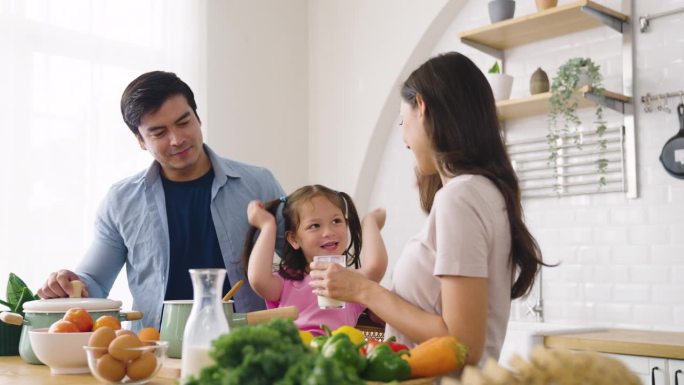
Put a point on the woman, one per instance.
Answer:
(474, 254)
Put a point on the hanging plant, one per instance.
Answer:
(564, 101)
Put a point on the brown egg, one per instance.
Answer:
(101, 338)
(142, 367)
(120, 347)
(123, 332)
(110, 368)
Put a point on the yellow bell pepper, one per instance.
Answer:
(306, 337)
(355, 335)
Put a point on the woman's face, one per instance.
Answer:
(322, 229)
(415, 136)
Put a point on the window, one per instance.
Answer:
(64, 66)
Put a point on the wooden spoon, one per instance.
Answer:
(232, 291)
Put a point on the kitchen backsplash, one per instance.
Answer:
(621, 260)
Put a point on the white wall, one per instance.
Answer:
(257, 71)
(622, 260)
(358, 52)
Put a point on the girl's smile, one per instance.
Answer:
(322, 229)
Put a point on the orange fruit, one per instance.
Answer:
(80, 317)
(148, 334)
(107, 320)
(63, 326)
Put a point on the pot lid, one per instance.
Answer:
(64, 304)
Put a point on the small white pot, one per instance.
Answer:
(501, 85)
(583, 79)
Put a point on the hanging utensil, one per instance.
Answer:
(672, 156)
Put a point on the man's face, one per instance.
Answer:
(173, 136)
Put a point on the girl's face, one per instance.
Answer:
(322, 229)
(415, 136)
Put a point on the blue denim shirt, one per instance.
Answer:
(131, 228)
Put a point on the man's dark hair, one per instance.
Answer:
(148, 92)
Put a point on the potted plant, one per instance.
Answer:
(543, 5)
(17, 294)
(501, 83)
(501, 10)
(573, 74)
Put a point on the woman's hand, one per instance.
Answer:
(334, 281)
(257, 216)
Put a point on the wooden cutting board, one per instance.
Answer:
(172, 368)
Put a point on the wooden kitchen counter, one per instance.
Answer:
(622, 341)
(14, 371)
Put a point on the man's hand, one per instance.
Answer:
(58, 285)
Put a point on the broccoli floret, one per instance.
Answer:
(270, 353)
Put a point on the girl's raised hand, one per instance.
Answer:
(378, 215)
(257, 215)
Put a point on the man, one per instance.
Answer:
(187, 210)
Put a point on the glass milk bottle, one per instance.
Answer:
(206, 322)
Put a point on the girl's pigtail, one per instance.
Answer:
(354, 249)
(250, 238)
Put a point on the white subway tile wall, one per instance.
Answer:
(621, 260)
(629, 264)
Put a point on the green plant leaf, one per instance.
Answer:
(18, 293)
(15, 286)
(495, 69)
(5, 304)
(26, 296)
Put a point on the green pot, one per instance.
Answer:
(175, 315)
(9, 339)
(43, 313)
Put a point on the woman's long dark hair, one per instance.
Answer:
(293, 264)
(463, 128)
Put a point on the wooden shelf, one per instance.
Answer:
(539, 104)
(556, 21)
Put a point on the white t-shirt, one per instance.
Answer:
(467, 233)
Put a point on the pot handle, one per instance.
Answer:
(131, 315)
(261, 316)
(11, 318)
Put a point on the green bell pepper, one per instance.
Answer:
(339, 347)
(385, 365)
(318, 341)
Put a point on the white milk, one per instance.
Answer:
(329, 303)
(194, 359)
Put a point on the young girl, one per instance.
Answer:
(318, 221)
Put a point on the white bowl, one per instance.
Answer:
(62, 352)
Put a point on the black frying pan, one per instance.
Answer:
(672, 156)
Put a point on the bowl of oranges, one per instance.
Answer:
(61, 346)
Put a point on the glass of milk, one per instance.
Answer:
(327, 302)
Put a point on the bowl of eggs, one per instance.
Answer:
(122, 357)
